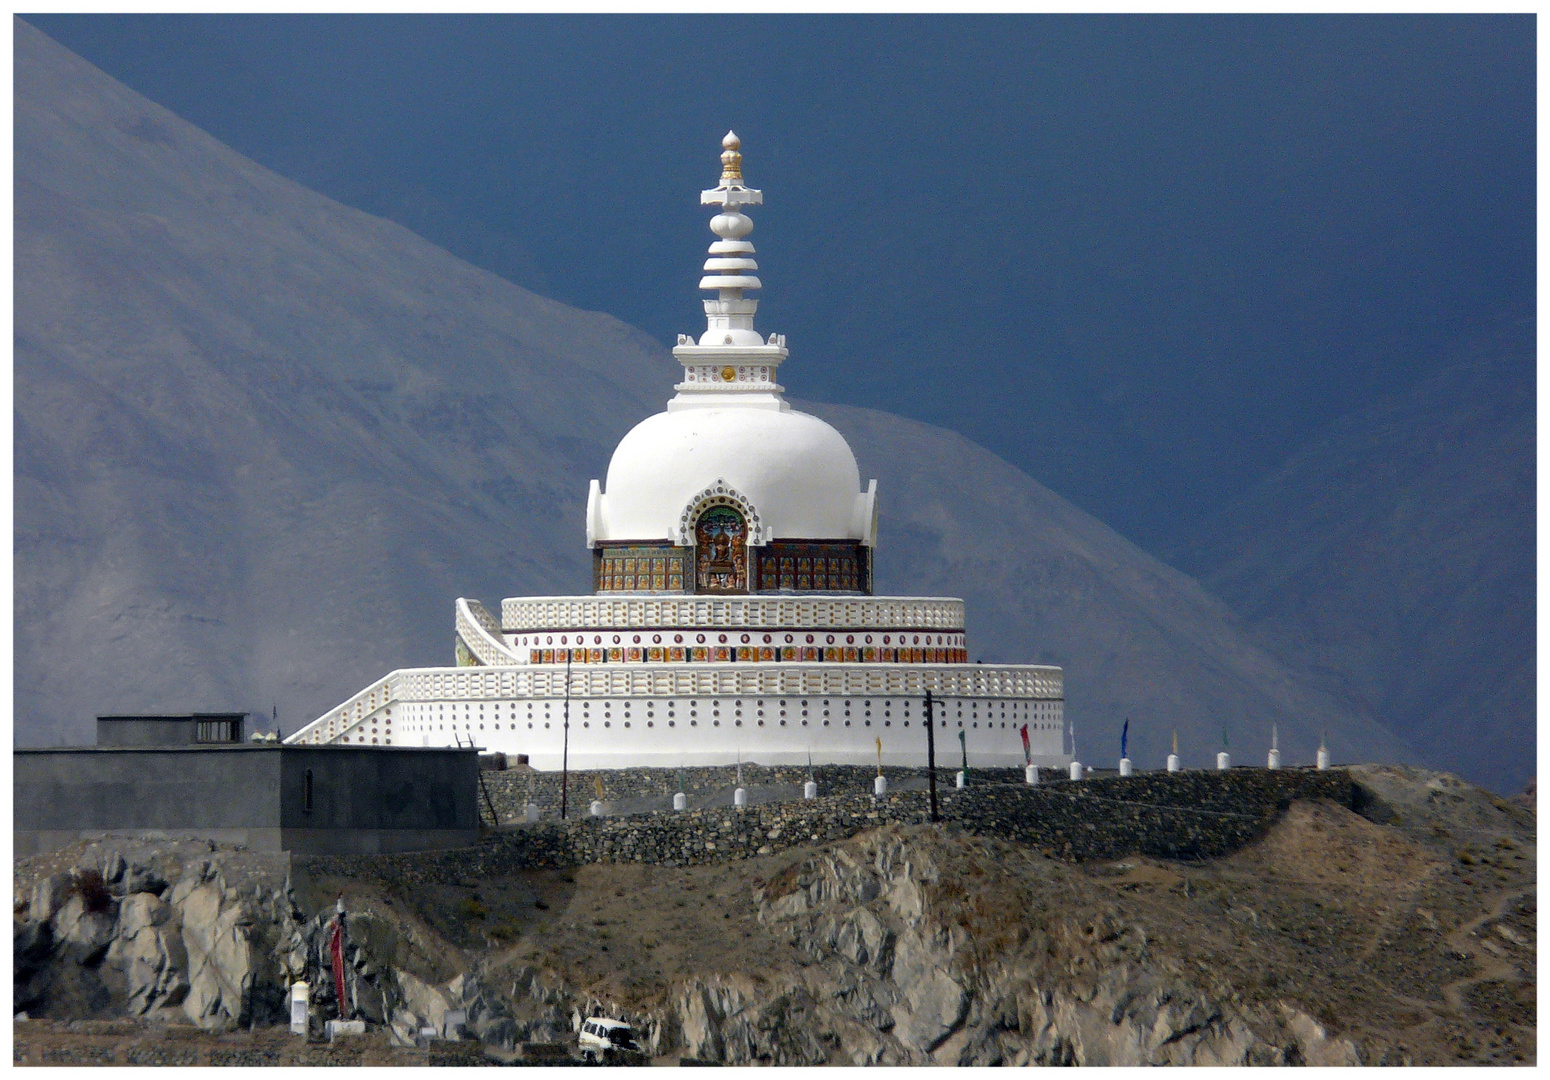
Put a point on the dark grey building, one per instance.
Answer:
(171, 730)
(269, 796)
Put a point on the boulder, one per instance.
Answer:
(85, 934)
(932, 1008)
(48, 896)
(428, 1004)
(140, 910)
(222, 967)
(114, 868)
(155, 966)
(1315, 1044)
(139, 879)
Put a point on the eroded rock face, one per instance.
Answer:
(905, 970)
(103, 939)
(221, 964)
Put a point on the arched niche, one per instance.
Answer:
(721, 550)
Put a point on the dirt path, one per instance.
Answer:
(1492, 968)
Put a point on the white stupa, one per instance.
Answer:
(733, 617)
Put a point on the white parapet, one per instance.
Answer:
(1124, 767)
(1223, 761)
(1174, 765)
(521, 710)
(481, 634)
(555, 614)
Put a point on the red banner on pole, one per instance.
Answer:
(336, 953)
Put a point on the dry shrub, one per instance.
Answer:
(93, 891)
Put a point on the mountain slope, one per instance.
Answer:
(1393, 559)
(262, 442)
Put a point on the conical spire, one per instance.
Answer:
(731, 266)
(730, 360)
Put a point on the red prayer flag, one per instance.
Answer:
(1027, 753)
(336, 952)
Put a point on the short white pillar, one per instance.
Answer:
(1124, 767)
(1031, 775)
(337, 1028)
(680, 801)
(299, 995)
(596, 808)
(961, 779)
(740, 796)
(1174, 765)
(1323, 757)
(810, 790)
(1076, 770)
(1223, 761)
(530, 812)
(879, 785)
(1275, 760)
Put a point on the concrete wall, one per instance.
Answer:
(364, 800)
(379, 788)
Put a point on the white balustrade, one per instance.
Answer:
(529, 614)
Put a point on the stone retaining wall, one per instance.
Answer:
(1189, 815)
(511, 790)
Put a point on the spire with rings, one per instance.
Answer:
(745, 362)
(731, 266)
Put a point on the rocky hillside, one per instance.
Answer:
(1393, 560)
(262, 441)
(1405, 934)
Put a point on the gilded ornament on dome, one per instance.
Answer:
(728, 374)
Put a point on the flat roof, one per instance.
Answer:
(227, 748)
(176, 716)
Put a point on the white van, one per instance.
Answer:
(607, 1040)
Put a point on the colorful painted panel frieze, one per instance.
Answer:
(639, 568)
(801, 567)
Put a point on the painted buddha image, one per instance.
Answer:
(720, 537)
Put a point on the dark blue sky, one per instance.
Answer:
(1142, 258)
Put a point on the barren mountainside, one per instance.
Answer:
(1393, 560)
(262, 441)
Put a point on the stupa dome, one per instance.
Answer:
(797, 473)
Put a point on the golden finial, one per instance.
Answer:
(731, 160)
